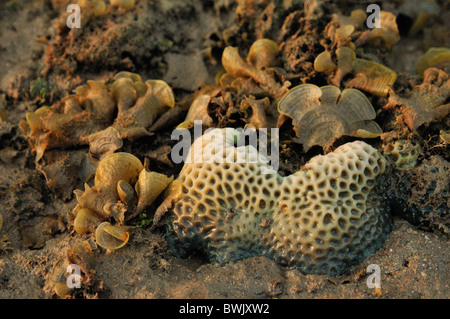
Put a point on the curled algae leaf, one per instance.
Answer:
(111, 169)
(3, 113)
(356, 18)
(387, 35)
(257, 108)
(444, 135)
(198, 111)
(62, 290)
(324, 63)
(58, 278)
(104, 142)
(320, 115)
(372, 77)
(116, 167)
(1, 221)
(111, 237)
(426, 102)
(32, 127)
(172, 194)
(257, 66)
(70, 121)
(80, 118)
(421, 11)
(126, 4)
(237, 67)
(124, 93)
(434, 57)
(345, 57)
(133, 122)
(81, 254)
(263, 53)
(125, 191)
(130, 75)
(343, 29)
(113, 195)
(149, 186)
(369, 76)
(98, 99)
(342, 36)
(92, 8)
(86, 221)
(72, 104)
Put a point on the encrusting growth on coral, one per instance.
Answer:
(404, 154)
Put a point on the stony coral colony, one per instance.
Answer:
(323, 217)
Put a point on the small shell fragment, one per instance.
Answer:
(324, 63)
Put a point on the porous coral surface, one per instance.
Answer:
(322, 219)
